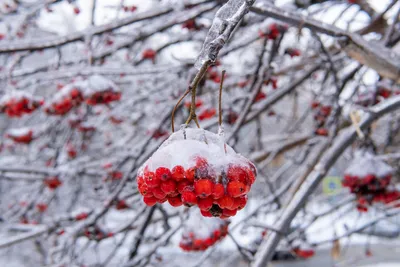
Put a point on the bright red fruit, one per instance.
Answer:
(236, 189)
(203, 188)
(205, 203)
(152, 180)
(150, 201)
(163, 173)
(189, 198)
(178, 173)
(168, 186)
(218, 191)
(175, 201)
(226, 202)
(158, 193)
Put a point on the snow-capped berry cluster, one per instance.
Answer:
(66, 99)
(369, 178)
(100, 90)
(200, 234)
(196, 167)
(321, 113)
(21, 135)
(273, 31)
(18, 104)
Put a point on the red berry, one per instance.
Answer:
(236, 189)
(150, 201)
(81, 216)
(218, 191)
(163, 173)
(184, 186)
(158, 193)
(236, 173)
(178, 173)
(205, 203)
(152, 180)
(226, 202)
(206, 213)
(190, 173)
(189, 198)
(228, 213)
(240, 202)
(304, 253)
(175, 201)
(203, 188)
(168, 187)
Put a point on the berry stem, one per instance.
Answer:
(176, 106)
(193, 87)
(220, 98)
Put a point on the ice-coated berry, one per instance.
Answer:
(236, 189)
(178, 173)
(189, 198)
(168, 186)
(203, 188)
(218, 191)
(226, 202)
(205, 203)
(158, 193)
(152, 180)
(175, 201)
(150, 201)
(163, 174)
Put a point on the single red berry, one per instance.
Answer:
(175, 201)
(321, 131)
(206, 213)
(236, 189)
(178, 173)
(205, 203)
(158, 193)
(152, 180)
(41, 207)
(184, 186)
(189, 198)
(240, 202)
(190, 173)
(237, 173)
(145, 190)
(304, 253)
(203, 188)
(168, 186)
(226, 202)
(218, 191)
(163, 173)
(121, 205)
(228, 213)
(150, 201)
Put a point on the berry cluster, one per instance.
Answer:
(304, 253)
(200, 237)
(149, 54)
(321, 113)
(191, 25)
(96, 233)
(52, 182)
(65, 100)
(19, 105)
(21, 136)
(292, 52)
(273, 31)
(104, 97)
(219, 190)
(369, 179)
(207, 114)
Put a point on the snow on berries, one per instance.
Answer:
(194, 167)
(200, 234)
(18, 104)
(21, 135)
(69, 97)
(100, 90)
(369, 178)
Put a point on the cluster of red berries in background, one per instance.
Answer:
(303, 253)
(321, 113)
(192, 242)
(198, 103)
(103, 97)
(24, 137)
(292, 52)
(273, 31)
(260, 96)
(19, 105)
(130, 8)
(273, 81)
(372, 187)
(52, 182)
(195, 186)
(96, 233)
(149, 54)
(231, 117)
(191, 25)
(207, 114)
(67, 101)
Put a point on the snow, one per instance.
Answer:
(183, 146)
(200, 226)
(365, 163)
(97, 83)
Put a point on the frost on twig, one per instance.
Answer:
(225, 21)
